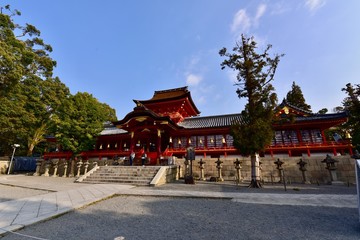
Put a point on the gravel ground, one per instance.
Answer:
(134, 217)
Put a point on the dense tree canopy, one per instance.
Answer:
(352, 104)
(295, 97)
(81, 120)
(255, 73)
(33, 104)
(23, 54)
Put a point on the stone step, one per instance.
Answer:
(120, 178)
(133, 182)
(121, 174)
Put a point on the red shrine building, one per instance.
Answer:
(168, 123)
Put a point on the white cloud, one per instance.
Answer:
(314, 5)
(260, 12)
(279, 8)
(193, 79)
(241, 21)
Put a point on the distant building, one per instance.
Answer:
(169, 122)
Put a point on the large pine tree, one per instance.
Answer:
(255, 72)
(352, 104)
(295, 97)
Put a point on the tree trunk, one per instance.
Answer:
(255, 171)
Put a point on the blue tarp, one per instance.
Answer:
(26, 164)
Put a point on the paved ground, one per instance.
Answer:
(176, 211)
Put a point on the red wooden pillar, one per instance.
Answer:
(308, 152)
(334, 151)
(132, 142)
(298, 133)
(158, 143)
(350, 151)
(323, 136)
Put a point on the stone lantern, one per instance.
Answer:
(280, 169)
(303, 170)
(238, 172)
(201, 163)
(331, 167)
(219, 167)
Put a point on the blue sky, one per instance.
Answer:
(120, 50)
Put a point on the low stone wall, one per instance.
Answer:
(166, 174)
(4, 164)
(316, 170)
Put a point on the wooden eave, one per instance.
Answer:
(183, 98)
(320, 124)
(134, 118)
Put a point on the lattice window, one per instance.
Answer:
(305, 135)
(200, 141)
(316, 136)
(210, 141)
(192, 141)
(219, 140)
(229, 140)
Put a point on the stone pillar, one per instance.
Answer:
(72, 167)
(38, 166)
(86, 165)
(55, 165)
(65, 168)
(47, 168)
(78, 164)
(187, 168)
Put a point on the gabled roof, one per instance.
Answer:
(285, 108)
(176, 96)
(211, 121)
(322, 117)
(169, 93)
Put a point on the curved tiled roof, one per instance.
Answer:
(328, 116)
(110, 129)
(210, 121)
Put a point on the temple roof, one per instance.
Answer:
(285, 108)
(169, 93)
(111, 129)
(211, 121)
(176, 102)
(322, 117)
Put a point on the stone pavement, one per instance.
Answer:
(54, 196)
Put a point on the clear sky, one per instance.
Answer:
(120, 50)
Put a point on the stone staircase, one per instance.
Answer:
(136, 175)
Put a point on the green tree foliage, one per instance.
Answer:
(33, 104)
(81, 120)
(255, 73)
(352, 104)
(23, 54)
(27, 112)
(323, 111)
(295, 97)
